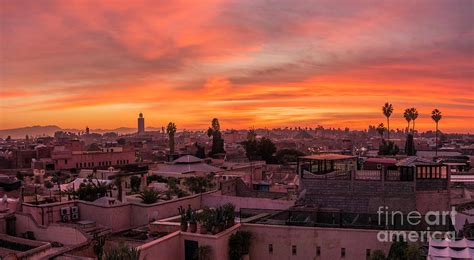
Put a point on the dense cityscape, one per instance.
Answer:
(218, 194)
(236, 130)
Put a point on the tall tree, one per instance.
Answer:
(265, 149)
(388, 148)
(410, 146)
(171, 130)
(413, 116)
(436, 116)
(217, 141)
(387, 110)
(380, 130)
(250, 145)
(407, 116)
(284, 156)
(200, 151)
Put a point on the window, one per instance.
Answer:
(367, 253)
(270, 248)
(293, 250)
(379, 166)
(318, 251)
(65, 161)
(343, 252)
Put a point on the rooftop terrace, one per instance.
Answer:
(312, 217)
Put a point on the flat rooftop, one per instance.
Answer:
(327, 156)
(327, 218)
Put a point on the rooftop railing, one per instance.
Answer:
(337, 219)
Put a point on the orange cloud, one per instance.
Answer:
(77, 63)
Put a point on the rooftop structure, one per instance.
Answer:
(184, 165)
(333, 181)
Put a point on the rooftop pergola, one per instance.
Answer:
(326, 163)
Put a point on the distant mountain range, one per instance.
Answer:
(49, 130)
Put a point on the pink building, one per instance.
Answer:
(65, 158)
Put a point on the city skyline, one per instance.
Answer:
(248, 63)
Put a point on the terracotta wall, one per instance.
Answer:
(47, 213)
(165, 248)
(283, 238)
(432, 201)
(117, 217)
(172, 245)
(307, 239)
(142, 214)
(218, 243)
(66, 235)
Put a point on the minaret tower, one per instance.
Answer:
(141, 124)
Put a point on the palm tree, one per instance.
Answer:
(217, 140)
(413, 116)
(171, 130)
(380, 129)
(407, 117)
(436, 116)
(149, 196)
(387, 111)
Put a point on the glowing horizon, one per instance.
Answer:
(248, 63)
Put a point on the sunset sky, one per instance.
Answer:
(249, 63)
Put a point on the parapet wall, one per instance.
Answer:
(64, 234)
(118, 217)
(213, 200)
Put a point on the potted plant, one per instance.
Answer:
(213, 224)
(217, 220)
(203, 219)
(203, 229)
(184, 220)
(191, 215)
(220, 218)
(229, 214)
